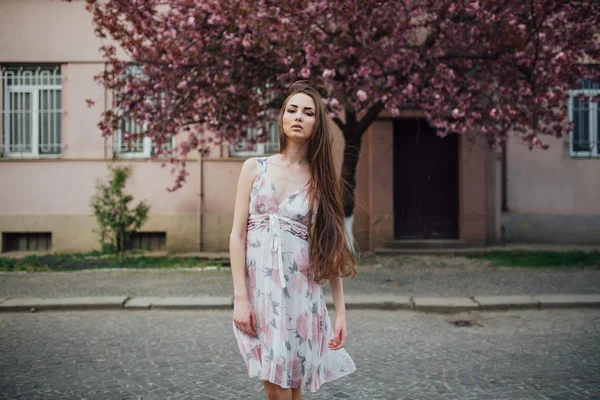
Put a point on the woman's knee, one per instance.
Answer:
(276, 392)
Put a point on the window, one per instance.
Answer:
(26, 241)
(148, 241)
(244, 147)
(31, 111)
(141, 146)
(585, 138)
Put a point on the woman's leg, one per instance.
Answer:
(297, 393)
(276, 392)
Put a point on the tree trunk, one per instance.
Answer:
(348, 182)
(353, 131)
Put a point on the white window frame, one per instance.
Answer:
(146, 146)
(271, 146)
(122, 153)
(34, 90)
(592, 123)
(146, 151)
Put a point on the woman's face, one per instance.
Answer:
(299, 117)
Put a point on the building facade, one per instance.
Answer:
(411, 185)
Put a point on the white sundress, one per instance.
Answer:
(293, 325)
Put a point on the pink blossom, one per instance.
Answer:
(315, 328)
(256, 352)
(329, 375)
(296, 369)
(173, 45)
(296, 283)
(303, 259)
(456, 113)
(266, 204)
(301, 326)
(251, 280)
(305, 72)
(279, 370)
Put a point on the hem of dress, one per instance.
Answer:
(333, 379)
(301, 386)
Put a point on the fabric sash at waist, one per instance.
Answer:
(276, 223)
(263, 221)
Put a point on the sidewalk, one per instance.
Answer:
(421, 283)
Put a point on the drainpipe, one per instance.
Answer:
(105, 108)
(200, 198)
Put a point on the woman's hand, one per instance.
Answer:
(244, 317)
(339, 333)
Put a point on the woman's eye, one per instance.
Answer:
(310, 114)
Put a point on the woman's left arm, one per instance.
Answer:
(340, 332)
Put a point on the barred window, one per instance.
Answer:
(140, 146)
(247, 147)
(31, 108)
(585, 138)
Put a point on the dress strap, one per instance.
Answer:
(262, 164)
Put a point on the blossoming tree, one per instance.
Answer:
(479, 68)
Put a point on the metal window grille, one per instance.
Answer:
(585, 137)
(31, 106)
(244, 147)
(148, 241)
(141, 146)
(26, 241)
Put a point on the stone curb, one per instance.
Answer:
(353, 302)
(63, 303)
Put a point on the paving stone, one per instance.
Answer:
(63, 303)
(444, 304)
(163, 355)
(506, 302)
(568, 301)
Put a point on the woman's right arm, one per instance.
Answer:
(243, 314)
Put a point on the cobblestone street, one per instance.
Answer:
(400, 355)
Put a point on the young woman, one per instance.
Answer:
(288, 237)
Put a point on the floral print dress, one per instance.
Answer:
(293, 325)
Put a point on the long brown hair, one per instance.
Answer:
(330, 253)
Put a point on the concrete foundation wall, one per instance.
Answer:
(555, 229)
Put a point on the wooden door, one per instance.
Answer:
(425, 182)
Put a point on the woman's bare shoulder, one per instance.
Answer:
(249, 168)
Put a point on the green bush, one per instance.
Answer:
(116, 222)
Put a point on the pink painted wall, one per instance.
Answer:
(80, 133)
(66, 187)
(47, 31)
(550, 181)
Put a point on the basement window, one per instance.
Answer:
(26, 241)
(148, 241)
